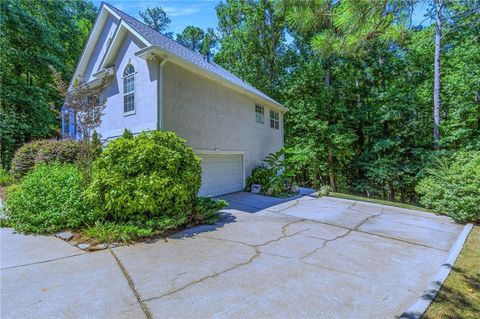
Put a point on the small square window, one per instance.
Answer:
(274, 120)
(259, 114)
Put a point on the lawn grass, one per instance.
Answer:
(378, 201)
(459, 296)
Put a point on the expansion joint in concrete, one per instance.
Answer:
(43, 261)
(144, 307)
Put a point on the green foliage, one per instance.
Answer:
(275, 175)
(44, 151)
(324, 190)
(260, 175)
(35, 35)
(149, 176)
(5, 178)
(252, 41)
(454, 188)
(127, 134)
(156, 18)
(49, 199)
(108, 232)
(206, 211)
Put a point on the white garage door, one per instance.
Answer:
(221, 174)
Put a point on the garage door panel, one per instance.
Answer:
(221, 174)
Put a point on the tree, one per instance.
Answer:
(336, 30)
(35, 35)
(252, 40)
(209, 43)
(191, 37)
(85, 101)
(436, 85)
(155, 18)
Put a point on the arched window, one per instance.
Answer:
(129, 89)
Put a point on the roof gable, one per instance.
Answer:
(172, 47)
(158, 42)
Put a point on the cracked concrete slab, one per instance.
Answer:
(160, 268)
(17, 249)
(302, 258)
(84, 286)
(415, 233)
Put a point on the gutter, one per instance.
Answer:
(147, 52)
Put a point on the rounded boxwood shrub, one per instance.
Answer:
(49, 199)
(453, 188)
(153, 175)
(43, 151)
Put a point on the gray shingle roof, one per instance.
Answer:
(171, 46)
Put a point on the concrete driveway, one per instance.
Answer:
(308, 257)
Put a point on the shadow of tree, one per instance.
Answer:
(458, 299)
(225, 218)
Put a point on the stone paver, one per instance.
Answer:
(302, 258)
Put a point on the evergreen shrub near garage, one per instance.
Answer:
(453, 187)
(151, 179)
(49, 199)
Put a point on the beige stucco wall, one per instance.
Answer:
(211, 116)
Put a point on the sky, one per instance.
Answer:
(200, 13)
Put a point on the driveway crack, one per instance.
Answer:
(250, 260)
(144, 307)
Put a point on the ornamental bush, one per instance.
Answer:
(49, 199)
(260, 175)
(43, 151)
(154, 175)
(453, 187)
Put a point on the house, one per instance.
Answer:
(155, 83)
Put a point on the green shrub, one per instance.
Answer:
(43, 151)
(49, 199)
(151, 176)
(206, 211)
(107, 232)
(260, 175)
(5, 178)
(453, 187)
(324, 190)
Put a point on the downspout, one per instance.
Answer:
(160, 95)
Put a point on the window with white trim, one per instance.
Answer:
(259, 114)
(129, 90)
(274, 120)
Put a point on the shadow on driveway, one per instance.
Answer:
(252, 203)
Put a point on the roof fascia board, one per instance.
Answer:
(91, 41)
(122, 28)
(148, 51)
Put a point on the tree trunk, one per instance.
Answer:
(331, 174)
(436, 83)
